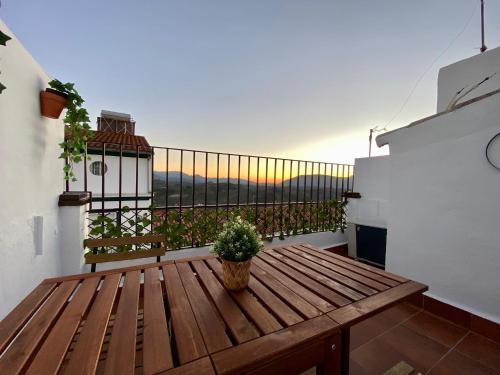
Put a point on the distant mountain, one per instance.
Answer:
(175, 177)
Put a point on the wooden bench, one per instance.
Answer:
(94, 257)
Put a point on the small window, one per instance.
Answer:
(96, 168)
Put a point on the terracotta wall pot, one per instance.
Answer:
(236, 274)
(52, 103)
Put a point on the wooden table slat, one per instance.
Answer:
(211, 324)
(303, 266)
(157, 354)
(390, 278)
(323, 291)
(329, 263)
(121, 352)
(14, 321)
(16, 356)
(50, 356)
(315, 300)
(266, 322)
(189, 340)
(236, 321)
(303, 259)
(353, 313)
(85, 354)
(288, 295)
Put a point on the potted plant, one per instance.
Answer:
(77, 130)
(52, 102)
(236, 244)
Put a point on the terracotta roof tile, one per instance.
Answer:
(114, 140)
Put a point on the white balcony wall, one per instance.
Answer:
(444, 207)
(31, 174)
(467, 73)
(372, 182)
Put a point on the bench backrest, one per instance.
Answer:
(94, 257)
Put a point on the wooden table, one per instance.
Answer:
(175, 317)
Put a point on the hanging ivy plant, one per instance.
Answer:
(77, 131)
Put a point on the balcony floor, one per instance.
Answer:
(426, 342)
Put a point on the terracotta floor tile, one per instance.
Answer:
(421, 351)
(438, 329)
(375, 357)
(456, 363)
(481, 349)
(376, 325)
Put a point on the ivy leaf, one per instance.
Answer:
(3, 39)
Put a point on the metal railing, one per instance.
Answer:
(189, 194)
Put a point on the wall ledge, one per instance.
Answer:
(74, 198)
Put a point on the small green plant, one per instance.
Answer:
(77, 132)
(238, 241)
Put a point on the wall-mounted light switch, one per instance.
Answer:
(38, 234)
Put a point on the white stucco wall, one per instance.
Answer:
(31, 176)
(112, 177)
(467, 73)
(444, 210)
(372, 182)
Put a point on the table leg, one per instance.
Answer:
(344, 350)
(331, 365)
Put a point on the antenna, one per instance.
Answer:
(483, 46)
(376, 129)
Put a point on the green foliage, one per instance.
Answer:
(104, 226)
(78, 132)
(200, 226)
(238, 241)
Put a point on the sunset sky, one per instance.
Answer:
(298, 79)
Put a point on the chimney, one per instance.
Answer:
(115, 122)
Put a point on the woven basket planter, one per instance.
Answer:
(236, 274)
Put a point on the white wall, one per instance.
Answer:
(112, 176)
(31, 175)
(467, 73)
(444, 210)
(372, 182)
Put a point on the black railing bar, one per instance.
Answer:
(274, 192)
(239, 178)
(192, 197)
(248, 181)
(136, 187)
(120, 179)
(217, 197)
(337, 184)
(228, 184)
(180, 181)
(257, 191)
(166, 181)
(103, 181)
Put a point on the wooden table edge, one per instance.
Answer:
(337, 315)
(279, 352)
